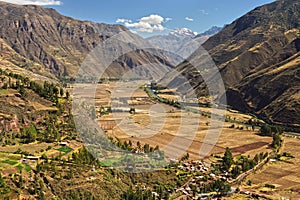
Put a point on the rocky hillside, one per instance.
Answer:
(258, 57)
(53, 44)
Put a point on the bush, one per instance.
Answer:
(270, 186)
(265, 130)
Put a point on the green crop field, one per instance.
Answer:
(10, 162)
(65, 149)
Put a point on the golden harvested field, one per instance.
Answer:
(284, 175)
(175, 131)
(232, 114)
(30, 148)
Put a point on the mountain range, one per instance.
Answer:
(53, 45)
(257, 55)
(258, 58)
(178, 38)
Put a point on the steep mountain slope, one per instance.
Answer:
(14, 62)
(59, 44)
(258, 58)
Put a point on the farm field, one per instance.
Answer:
(11, 158)
(176, 131)
(284, 174)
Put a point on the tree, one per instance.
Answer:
(249, 182)
(18, 83)
(146, 148)
(31, 134)
(2, 182)
(5, 86)
(42, 195)
(26, 81)
(185, 157)
(61, 92)
(235, 171)
(277, 129)
(256, 158)
(227, 159)
(138, 144)
(67, 95)
(277, 141)
(247, 164)
(132, 111)
(265, 130)
(22, 91)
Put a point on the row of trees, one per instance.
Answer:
(267, 130)
(277, 141)
(163, 100)
(128, 146)
(48, 90)
(243, 164)
(273, 131)
(83, 156)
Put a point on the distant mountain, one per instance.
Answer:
(177, 39)
(258, 56)
(55, 45)
(213, 30)
(183, 33)
(172, 41)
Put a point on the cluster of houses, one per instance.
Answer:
(195, 166)
(205, 170)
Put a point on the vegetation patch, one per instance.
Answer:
(65, 149)
(20, 167)
(10, 162)
(109, 162)
(2, 91)
(27, 168)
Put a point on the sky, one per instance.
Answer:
(151, 17)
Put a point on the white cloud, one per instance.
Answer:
(189, 19)
(147, 24)
(35, 2)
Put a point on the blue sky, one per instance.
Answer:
(197, 15)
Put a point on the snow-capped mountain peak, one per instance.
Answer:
(183, 32)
